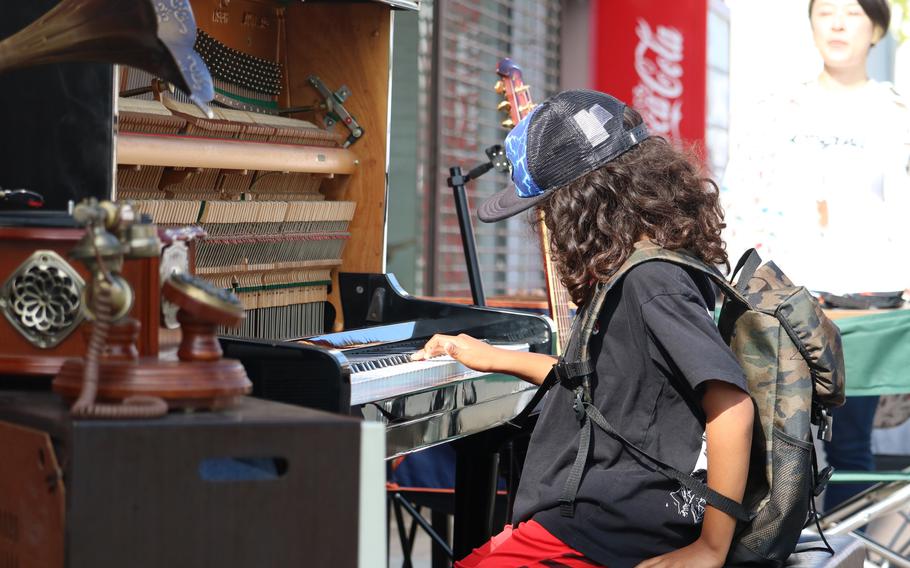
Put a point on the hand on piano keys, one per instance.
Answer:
(483, 357)
(391, 374)
(474, 353)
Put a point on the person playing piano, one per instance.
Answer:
(663, 374)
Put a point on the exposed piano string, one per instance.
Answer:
(170, 115)
(268, 252)
(281, 323)
(279, 305)
(259, 235)
(276, 255)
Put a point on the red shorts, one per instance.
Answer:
(528, 546)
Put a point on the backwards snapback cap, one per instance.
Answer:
(562, 139)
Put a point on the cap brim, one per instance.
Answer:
(504, 204)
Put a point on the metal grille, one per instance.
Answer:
(461, 43)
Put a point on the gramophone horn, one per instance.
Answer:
(154, 35)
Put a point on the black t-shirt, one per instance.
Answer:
(656, 344)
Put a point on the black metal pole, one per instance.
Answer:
(457, 181)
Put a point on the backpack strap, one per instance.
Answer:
(748, 263)
(577, 354)
(576, 365)
(646, 251)
(562, 372)
(699, 489)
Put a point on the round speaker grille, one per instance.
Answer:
(42, 299)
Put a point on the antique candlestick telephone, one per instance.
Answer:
(112, 369)
(157, 36)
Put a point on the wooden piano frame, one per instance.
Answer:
(343, 44)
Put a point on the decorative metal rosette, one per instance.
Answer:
(42, 299)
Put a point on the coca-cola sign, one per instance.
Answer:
(658, 65)
(651, 54)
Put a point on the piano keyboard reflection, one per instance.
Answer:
(376, 378)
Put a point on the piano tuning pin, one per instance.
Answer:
(499, 87)
(505, 106)
(508, 123)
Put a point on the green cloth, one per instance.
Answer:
(877, 352)
(869, 476)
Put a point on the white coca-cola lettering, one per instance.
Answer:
(661, 115)
(658, 64)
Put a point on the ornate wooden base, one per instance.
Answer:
(182, 384)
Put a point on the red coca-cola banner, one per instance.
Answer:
(652, 55)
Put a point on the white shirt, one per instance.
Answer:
(821, 186)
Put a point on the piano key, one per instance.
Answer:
(376, 378)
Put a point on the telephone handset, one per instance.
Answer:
(112, 371)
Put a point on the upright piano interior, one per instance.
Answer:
(287, 199)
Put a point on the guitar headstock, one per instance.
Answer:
(516, 95)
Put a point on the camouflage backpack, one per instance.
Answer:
(791, 355)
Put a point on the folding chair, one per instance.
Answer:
(426, 480)
(890, 496)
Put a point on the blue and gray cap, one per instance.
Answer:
(562, 139)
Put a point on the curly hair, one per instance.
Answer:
(654, 190)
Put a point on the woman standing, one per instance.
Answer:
(822, 187)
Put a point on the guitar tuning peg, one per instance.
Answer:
(504, 106)
(508, 123)
(499, 87)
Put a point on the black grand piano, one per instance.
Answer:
(366, 372)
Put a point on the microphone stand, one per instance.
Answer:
(496, 158)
